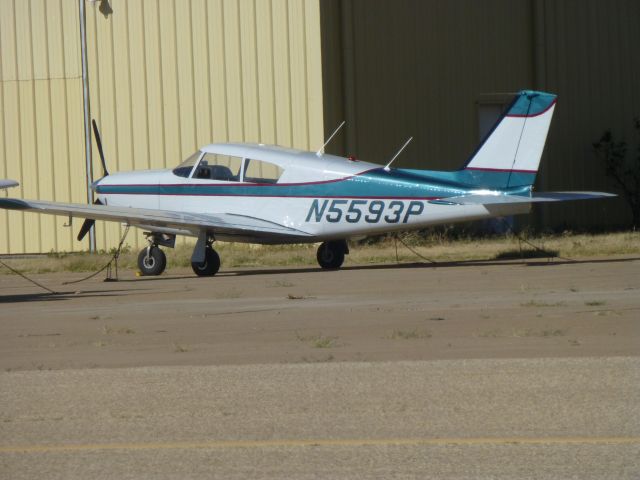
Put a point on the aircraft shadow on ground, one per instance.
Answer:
(538, 262)
(59, 296)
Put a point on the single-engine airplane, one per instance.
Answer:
(256, 193)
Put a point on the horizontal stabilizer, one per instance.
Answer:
(488, 199)
(8, 183)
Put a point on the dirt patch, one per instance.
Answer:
(452, 310)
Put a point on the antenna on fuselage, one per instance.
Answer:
(321, 150)
(396, 155)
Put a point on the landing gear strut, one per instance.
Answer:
(211, 263)
(331, 254)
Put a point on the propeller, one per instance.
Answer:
(99, 145)
(89, 222)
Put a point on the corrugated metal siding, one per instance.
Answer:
(418, 69)
(40, 97)
(592, 62)
(169, 76)
(166, 76)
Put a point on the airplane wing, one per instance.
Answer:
(487, 199)
(8, 183)
(227, 224)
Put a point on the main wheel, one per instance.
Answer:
(152, 261)
(210, 266)
(331, 254)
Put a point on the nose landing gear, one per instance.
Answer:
(152, 261)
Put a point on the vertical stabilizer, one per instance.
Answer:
(514, 146)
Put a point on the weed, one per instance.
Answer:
(292, 296)
(493, 333)
(536, 303)
(107, 330)
(409, 334)
(595, 303)
(549, 332)
(317, 341)
(177, 348)
(436, 319)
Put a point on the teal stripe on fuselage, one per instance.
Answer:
(473, 179)
(373, 184)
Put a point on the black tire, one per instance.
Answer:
(152, 264)
(331, 255)
(210, 266)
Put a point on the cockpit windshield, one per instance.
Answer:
(184, 169)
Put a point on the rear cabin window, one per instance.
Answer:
(184, 169)
(214, 166)
(258, 171)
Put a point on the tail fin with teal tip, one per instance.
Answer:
(509, 156)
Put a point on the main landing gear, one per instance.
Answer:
(331, 254)
(211, 263)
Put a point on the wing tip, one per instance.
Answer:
(6, 183)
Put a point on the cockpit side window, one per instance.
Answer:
(259, 171)
(214, 166)
(184, 169)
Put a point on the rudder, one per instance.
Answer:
(514, 146)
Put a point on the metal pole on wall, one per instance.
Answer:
(87, 116)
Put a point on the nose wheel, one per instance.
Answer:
(211, 263)
(331, 254)
(151, 261)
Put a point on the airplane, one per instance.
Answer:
(256, 193)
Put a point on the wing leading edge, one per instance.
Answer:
(223, 223)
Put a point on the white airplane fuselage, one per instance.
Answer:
(325, 196)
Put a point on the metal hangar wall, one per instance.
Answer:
(428, 69)
(166, 76)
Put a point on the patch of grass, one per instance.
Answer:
(536, 303)
(292, 296)
(595, 303)
(493, 333)
(317, 341)
(107, 330)
(548, 332)
(178, 348)
(443, 244)
(410, 334)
